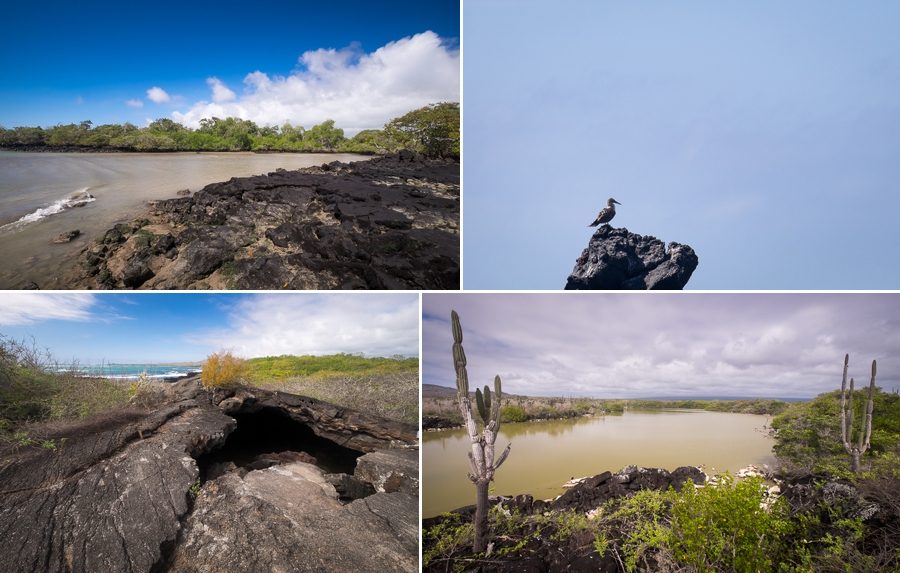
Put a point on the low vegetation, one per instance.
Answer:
(387, 387)
(36, 392)
(432, 130)
(729, 527)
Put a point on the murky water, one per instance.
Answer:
(42, 196)
(547, 454)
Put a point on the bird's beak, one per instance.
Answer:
(616, 202)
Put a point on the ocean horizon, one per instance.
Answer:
(134, 371)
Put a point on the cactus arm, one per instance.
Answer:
(844, 432)
(870, 406)
(487, 404)
(502, 457)
(850, 416)
(480, 400)
(497, 395)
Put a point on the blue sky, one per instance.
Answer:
(764, 134)
(70, 61)
(170, 327)
(632, 345)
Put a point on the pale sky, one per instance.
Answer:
(763, 134)
(666, 344)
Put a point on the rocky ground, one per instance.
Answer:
(203, 483)
(388, 223)
(617, 259)
(547, 538)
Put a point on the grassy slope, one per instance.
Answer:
(385, 387)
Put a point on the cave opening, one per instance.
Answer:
(272, 431)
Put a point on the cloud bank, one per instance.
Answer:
(28, 308)
(665, 345)
(357, 90)
(270, 325)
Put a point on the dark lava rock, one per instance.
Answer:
(391, 222)
(183, 193)
(136, 272)
(438, 423)
(596, 490)
(616, 259)
(67, 237)
(118, 494)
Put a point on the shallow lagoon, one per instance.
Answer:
(547, 454)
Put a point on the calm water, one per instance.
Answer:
(547, 454)
(39, 193)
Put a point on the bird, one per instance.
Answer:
(606, 214)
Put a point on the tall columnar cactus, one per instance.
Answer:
(481, 457)
(857, 449)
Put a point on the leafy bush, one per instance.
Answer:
(512, 413)
(727, 528)
(222, 370)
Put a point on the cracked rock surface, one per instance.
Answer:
(391, 222)
(119, 495)
(241, 524)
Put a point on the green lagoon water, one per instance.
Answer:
(547, 454)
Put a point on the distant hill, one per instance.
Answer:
(434, 391)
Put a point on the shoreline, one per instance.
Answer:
(79, 149)
(388, 222)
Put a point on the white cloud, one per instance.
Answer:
(220, 92)
(665, 345)
(355, 89)
(28, 308)
(134, 103)
(269, 325)
(158, 95)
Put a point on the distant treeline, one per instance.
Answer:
(444, 412)
(755, 406)
(432, 130)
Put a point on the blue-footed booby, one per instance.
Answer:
(606, 214)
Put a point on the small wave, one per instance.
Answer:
(79, 198)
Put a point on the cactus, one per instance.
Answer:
(481, 458)
(856, 450)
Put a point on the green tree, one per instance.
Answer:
(324, 136)
(432, 130)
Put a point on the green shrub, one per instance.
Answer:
(726, 527)
(513, 413)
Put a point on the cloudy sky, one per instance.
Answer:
(763, 134)
(137, 328)
(357, 62)
(664, 345)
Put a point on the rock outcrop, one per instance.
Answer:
(167, 491)
(616, 259)
(391, 222)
